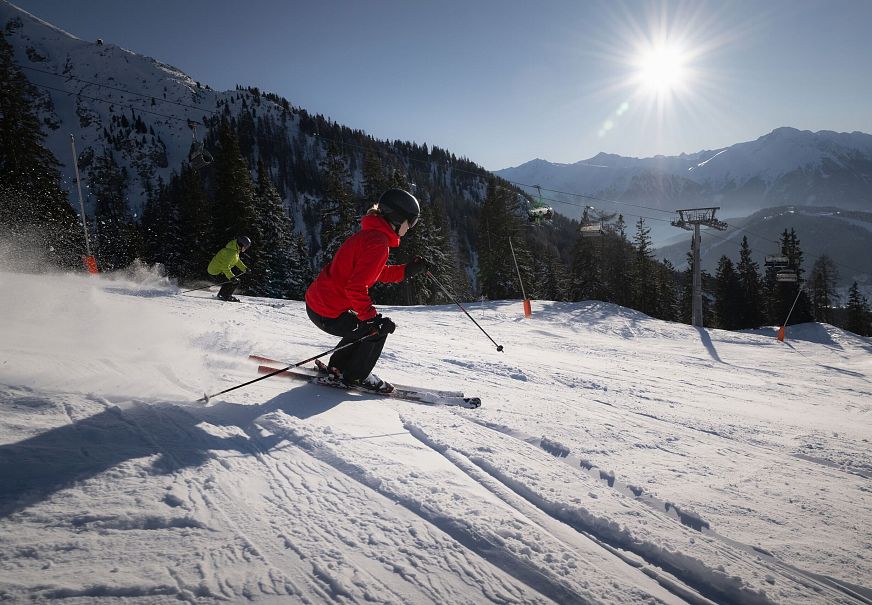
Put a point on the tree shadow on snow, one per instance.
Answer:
(34, 469)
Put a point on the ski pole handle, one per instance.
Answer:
(451, 298)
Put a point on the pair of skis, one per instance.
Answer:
(404, 392)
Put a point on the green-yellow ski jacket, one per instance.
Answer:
(227, 258)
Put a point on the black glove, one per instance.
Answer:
(382, 325)
(386, 325)
(418, 265)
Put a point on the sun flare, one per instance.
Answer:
(661, 70)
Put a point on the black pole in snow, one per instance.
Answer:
(452, 299)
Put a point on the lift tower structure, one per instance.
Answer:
(691, 219)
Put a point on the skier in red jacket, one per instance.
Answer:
(338, 300)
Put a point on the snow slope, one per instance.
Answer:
(616, 459)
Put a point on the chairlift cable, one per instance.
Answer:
(129, 92)
(84, 96)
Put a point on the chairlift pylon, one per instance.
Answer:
(198, 157)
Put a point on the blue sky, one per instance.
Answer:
(503, 82)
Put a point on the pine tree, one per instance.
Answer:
(277, 269)
(233, 211)
(161, 229)
(585, 277)
(728, 296)
(374, 181)
(338, 212)
(822, 285)
(114, 237)
(616, 273)
(859, 320)
(550, 279)
(499, 223)
(34, 210)
(780, 296)
(668, 307)
(751, 304)
(196, 245)
(644, 279)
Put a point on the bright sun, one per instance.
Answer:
(661, 71)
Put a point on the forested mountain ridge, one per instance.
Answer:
(130, 115)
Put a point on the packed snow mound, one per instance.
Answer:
(616, 458)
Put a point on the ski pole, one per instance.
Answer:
(452, 299)
(206, 398)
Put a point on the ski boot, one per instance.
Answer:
(371, 383)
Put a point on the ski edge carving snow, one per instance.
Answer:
(404, 393)
(315, 374)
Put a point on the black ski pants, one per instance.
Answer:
(358, 360)
(227, 289)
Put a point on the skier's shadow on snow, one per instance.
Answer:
(179, 436)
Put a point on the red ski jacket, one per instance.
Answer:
(360, 262)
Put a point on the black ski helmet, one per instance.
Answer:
(243, 241)
(397, 205)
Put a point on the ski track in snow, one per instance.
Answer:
(601, 469)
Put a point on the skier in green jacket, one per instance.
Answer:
(223, 263)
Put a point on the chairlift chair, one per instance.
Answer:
(198, 157)
(590, 227)
(777, 261)
(540, 213)
(786, 276)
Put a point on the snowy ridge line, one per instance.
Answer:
(462, 531)
(689, 519)
(718, 584)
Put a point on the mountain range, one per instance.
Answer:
(785, 167)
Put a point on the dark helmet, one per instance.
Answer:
(397, 206)
(243, 241)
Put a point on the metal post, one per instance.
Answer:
(523, 293)
(691, 219)
(81, 202)
(696, 315)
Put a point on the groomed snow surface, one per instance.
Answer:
(616, 458)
